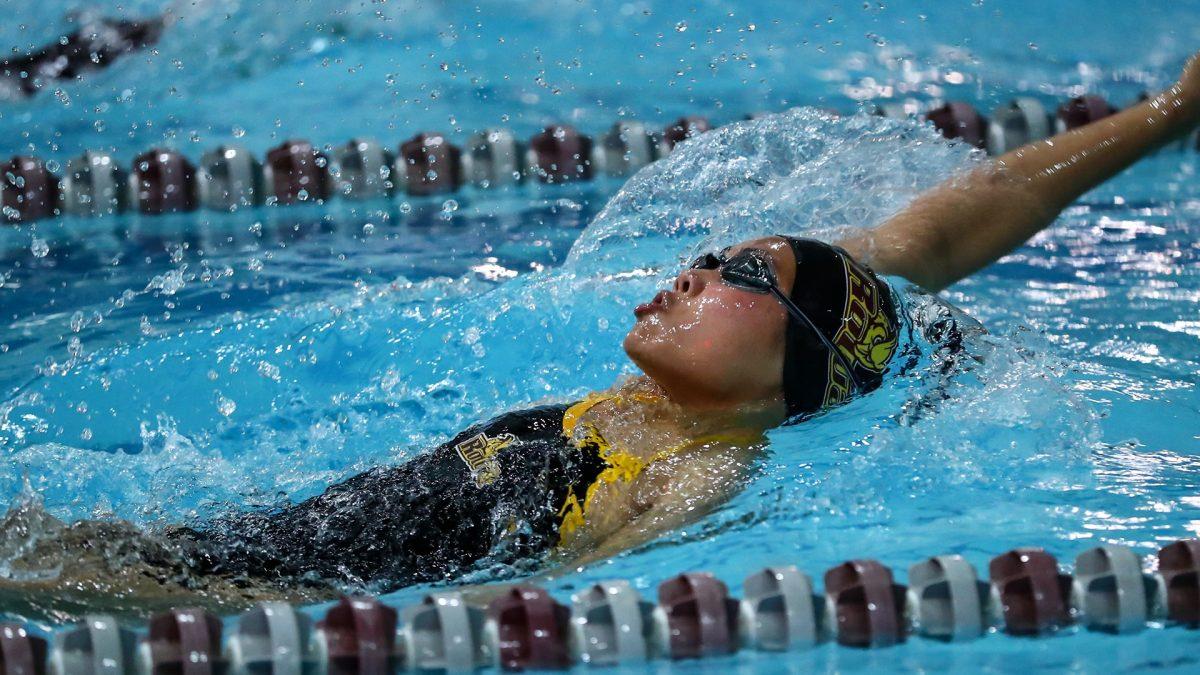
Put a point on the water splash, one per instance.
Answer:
(252, 408)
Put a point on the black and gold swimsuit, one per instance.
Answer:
(501, 491)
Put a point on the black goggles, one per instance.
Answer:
(751, 269)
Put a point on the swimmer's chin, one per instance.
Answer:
(644, 344)
(635, 343)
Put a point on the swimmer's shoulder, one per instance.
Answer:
(533, 423)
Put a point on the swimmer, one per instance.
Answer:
(94, 45)
(751, 336)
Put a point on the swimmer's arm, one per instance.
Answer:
(970, 221)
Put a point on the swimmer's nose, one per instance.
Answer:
(689, 282)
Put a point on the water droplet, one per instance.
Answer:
(39, 247)
(268, 370)
(238, 132)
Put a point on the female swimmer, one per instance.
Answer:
(748, 337)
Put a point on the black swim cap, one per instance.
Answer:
(854, 309)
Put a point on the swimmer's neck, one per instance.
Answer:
(643, 396)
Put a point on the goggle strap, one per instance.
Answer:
(800, 316)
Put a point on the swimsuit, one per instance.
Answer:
(508, 489)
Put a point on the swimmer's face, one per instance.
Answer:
(710, 345)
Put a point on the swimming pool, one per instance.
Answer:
(181, 364)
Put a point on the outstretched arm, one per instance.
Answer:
(969, 221)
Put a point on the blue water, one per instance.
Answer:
(164, 369)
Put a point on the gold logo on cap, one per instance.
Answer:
(867, 336)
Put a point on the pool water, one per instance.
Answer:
(167, 369)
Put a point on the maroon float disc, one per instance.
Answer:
(683, 129)
(701, 617)
(1083, 110)
(165, 182)
(531, 629)
(959, 120)
(866, 608)
(185, 641)
(431, 164)
(299, 172)
(20, 652)
(360, 636)
(1179, 565)
(29, 190)
(1033, 595)
(563, 154)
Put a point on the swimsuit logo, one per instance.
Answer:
(867, 337)
(479, 454)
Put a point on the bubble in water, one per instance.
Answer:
(369, 229)
(39, 247)
(77, 322)
(268, 370)
(238, 132)
(225, 406)
(449, 206)
(681, 27)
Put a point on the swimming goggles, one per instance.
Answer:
(751, 269)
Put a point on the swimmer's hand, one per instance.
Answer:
(972, 220)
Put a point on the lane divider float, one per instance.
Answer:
(229, 177)
(609, 623)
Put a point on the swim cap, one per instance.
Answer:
(854, 309)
